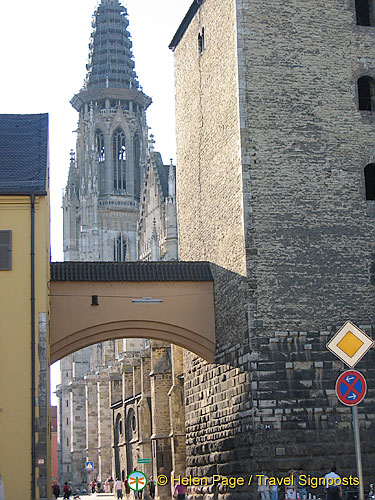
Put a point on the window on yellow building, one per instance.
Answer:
(5, 250)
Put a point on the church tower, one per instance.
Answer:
(101, 212)
(101, 201)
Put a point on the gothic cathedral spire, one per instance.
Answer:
(110, 61)
(111, 146)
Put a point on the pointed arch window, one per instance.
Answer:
(136, 150)
(366, 93)
(119, 161)
(120, 249)
(99, 144)
(137, 172)
(364, 12)
(370, 181)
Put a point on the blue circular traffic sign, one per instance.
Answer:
(351, 387)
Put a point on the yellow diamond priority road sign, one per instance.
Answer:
(350, 344)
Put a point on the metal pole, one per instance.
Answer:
(358, 457)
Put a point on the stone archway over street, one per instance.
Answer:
(93, 302)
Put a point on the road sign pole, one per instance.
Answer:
(358, 456)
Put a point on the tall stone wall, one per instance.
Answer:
(91, 433)
(77, 431)
(304, 147)
(104, 424)
(271, 149)
(208, 142)
(161, 381)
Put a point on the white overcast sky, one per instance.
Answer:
(44, 50)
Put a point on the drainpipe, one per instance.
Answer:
(32, 305)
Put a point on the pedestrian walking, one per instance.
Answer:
(301, 482)
(263, 487)
(111, 484)
(93, 486)
(274, 492)
(151, 487)
(291, 489)
(67, 490)
(180, 492)
(332, 485)
(137, 494)
(56, 490)
(118, 488)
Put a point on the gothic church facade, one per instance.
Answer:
(119, 205)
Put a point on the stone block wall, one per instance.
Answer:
(271, 149)
(63, 435)
(208, 141)
(304, 145)
(161, 381)
(275, 412)
(92, 423)
(177, 412)
(104, 424)
(219, 411)
(78, 431)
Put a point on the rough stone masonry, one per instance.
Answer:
(271, 150)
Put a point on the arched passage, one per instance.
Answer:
(96, 301)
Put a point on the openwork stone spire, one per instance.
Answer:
(110, 60)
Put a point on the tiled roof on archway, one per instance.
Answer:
(131, 271)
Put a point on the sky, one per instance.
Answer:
(43, 64)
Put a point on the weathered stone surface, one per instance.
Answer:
(271, 149)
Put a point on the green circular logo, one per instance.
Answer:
(137, 480)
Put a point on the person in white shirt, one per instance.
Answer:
(263, 487)
(118, 488)
(291, 489)
(332, 485)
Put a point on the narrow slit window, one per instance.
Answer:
(370, 181)
(136, 157)
(366, 94)
(365, 12)
(201, 42)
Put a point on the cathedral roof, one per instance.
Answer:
(131, 271)
(110, 59)
(162, 173)
(23, 154)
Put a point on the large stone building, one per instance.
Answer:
(119, 205)
(275, 106)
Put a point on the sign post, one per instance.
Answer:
(351, 389)
(89, 466)
(358, 456)
(350, 344)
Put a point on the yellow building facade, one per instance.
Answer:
(24, 307)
